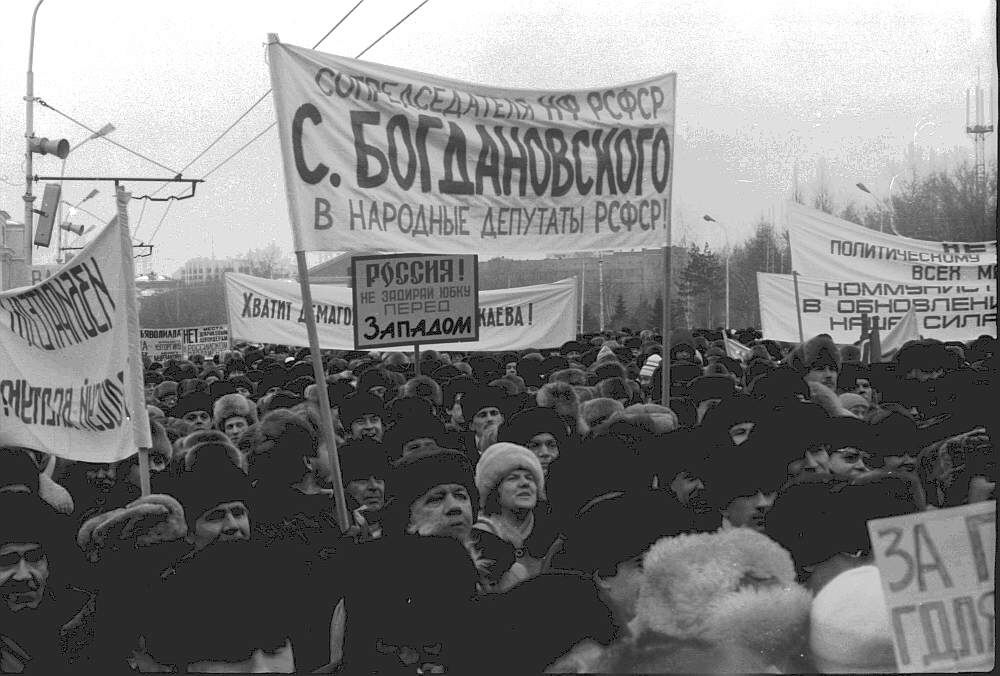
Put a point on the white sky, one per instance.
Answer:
(763, 86)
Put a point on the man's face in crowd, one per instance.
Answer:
(690, 492)
(705, 406)
(244, 391)
(749, 511)
(545, 447)
(923, 375)
(101, 477)
(826, 375)
(418, 444)
(24, 571)
(157, 463)
(511, 368)
(740, 432)
(377, 390)
(445, 509)
(368, 492)
(814, 460)
(234, 428)
(518, 490)
(848, 463)
(863, 387)
(904, 463)
(368, 426)
(485, 419)
(199, 420)
(169, 400)
(226, 522)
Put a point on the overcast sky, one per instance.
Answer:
(763, 86)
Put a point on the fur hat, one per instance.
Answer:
(712, 387)
(164, 388)
(573, 376)
(533, 421)
(850, 629)
(362, 459)
(410, 427)
(560, 396)
(652, 417)
(817, 352)
(422, 386)
(231, 406)
(419, 472)
(211, 477)
(705, 587)
(480, 398)
(195, 401)
(501, 459)
(600, 410)
(360, 404)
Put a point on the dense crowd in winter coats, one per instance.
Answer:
(509, 512)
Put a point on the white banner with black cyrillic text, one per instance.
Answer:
(270, 311)
(944, 311)
(181, 342)
(827, 247)
(378, 158)
(70, 367)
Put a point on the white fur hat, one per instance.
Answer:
(501, 459)
(850, 630)
(233, 405)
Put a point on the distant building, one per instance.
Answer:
(204, 270)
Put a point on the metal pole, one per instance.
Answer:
(600, 283)
(29, 134)
(326, 417)
(667, 281)
(59, 216)
(728, 254)
(583, 282)
(798, 305)
(416, 359)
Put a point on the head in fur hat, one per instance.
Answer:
(715, 602)
(435, 494)
(232, 414)
(195, 409)
(817, 360)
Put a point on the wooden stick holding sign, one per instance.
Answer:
(416, 359)
(144, 471)
(327, 434)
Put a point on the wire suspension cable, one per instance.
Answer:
(162, 218)
(274, 124)
(105, 137)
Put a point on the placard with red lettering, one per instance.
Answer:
(937, 570)
(382, 159)
(429, 294)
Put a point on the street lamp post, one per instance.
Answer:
(728, 254)
(64, 226)
(29, 134)
(103, 131)
(882, 207)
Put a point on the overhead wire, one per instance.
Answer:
(106, 138)
(274, 124)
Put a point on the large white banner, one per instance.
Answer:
(827, 247)
(385, 159)
(70, 369)
(944, 311)
(270, 311)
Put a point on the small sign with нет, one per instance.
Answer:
(937, 577)
(414, 299)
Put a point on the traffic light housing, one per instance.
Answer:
(47, 214)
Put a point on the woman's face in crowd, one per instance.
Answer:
(486, 418)
(740, 432)
(848, 463)
(749, 511)
(863, 387)
(199, 420)
(443, 510)
(545, 448)
(518, 490)
(226, 522)
(24, 571)
(368, 492)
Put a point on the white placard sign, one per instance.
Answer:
(412, 296)
(937, 571)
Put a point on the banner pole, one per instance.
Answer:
(875, 341)
(327, 434)
(798, 305)
(667, 275)
(144, 471)
(416, 359)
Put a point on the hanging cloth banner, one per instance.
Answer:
(378, 158)
(828, 247)
(181, 342)
(70, 367)
(945, 312)
(270, 311)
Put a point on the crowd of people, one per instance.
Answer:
(517, 512)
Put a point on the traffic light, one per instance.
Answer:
(47, 214)
(43, 146)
